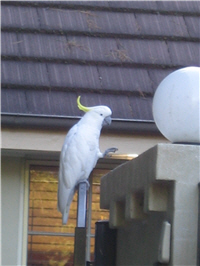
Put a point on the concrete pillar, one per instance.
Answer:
(153, 202)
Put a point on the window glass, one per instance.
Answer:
(50, 242)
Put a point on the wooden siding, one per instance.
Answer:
(44, 218)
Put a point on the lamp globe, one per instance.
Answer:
(176, 106)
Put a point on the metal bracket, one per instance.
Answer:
(80, 230)
(82, 201)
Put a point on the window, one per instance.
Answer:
(50, 242)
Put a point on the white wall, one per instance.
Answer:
(45, 140)
(12, 210)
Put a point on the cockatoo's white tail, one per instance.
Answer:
(65, 196)
(65, 213)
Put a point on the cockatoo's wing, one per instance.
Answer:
(66, 184)
(65, 174)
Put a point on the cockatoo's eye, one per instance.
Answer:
(101, 114)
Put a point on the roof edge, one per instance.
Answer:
(74, 5)
(147, 127)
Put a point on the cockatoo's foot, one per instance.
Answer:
(109, 150)
(83, 181)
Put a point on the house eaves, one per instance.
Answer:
(129, 126)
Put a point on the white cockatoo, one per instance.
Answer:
(80, 153)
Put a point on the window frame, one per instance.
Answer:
(105, 163)
(28, 164)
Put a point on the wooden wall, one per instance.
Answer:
(45, 220)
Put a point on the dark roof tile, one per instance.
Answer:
(145, 5)
(119, 106)
(125, 79)
(47, 102)
(95, 21)
(144, 51)
(181, 6)
(49, 46)
(141, 103)
(13, 101)
(86, 3)
(9, 43)
(168, 6)
(157, 75)
(162, 25)
(64, 104)
(88, 21)
(185, 53)
(123, 104)
(123, 6)
(86, 48)
(193, 26)
(95, 78)
(74, 76)
(14, 16)
(53, 18)
(24, 73)
(100, 49)
(100, 78)
(123, 23)
(39, 103)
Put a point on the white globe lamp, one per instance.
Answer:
(176, 106)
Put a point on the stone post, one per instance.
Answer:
(153, 203)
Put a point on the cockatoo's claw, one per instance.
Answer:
(109, 150)
(83, 181)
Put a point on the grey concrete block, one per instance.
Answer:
(160, 185)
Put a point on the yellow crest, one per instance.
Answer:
(81, 107)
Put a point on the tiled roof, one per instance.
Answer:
(112, 53)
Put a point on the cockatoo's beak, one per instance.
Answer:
(107, 120)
